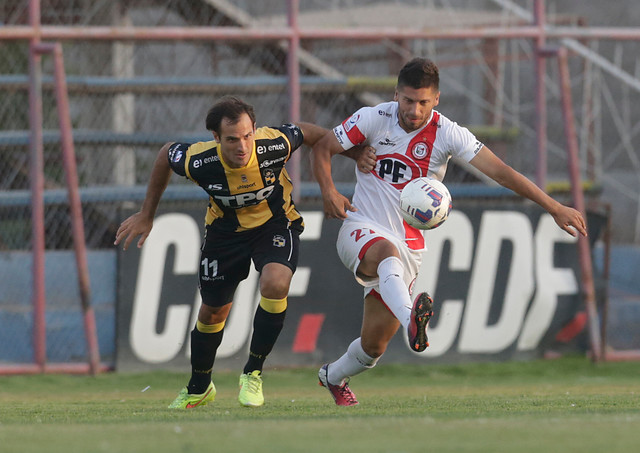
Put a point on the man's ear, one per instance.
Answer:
(216, 137)
(395, 95)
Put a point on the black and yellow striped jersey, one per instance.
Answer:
(243, 198)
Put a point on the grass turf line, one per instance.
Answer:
(563, 405)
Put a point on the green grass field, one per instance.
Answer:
(565, 405)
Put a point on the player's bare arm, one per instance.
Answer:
(140, 223)
(567, 218)
(335, 204)
(364, 155)
(311, 132)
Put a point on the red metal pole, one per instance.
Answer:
(293, 69)
(584, 250)
(58, 32)
(541, 98)
(75, 207)
(36, 174)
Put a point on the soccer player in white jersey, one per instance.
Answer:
(410, 139)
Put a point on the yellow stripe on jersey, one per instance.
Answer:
(245, 198)
(254, 216)
(243, 179)
(214, 212)
(289, 209)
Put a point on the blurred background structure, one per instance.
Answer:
(132, 91)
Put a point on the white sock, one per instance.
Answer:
(393, 289)
(353, 362)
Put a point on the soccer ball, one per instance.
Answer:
(425, 203)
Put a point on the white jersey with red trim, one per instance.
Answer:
(401, 157)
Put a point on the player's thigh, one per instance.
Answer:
(354, 239)
(275, 249)
(361, 248)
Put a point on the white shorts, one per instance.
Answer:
(355, 238)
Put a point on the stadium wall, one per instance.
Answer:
(484, 255)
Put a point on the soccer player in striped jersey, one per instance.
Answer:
(251, 217)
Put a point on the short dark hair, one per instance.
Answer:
(229, 107)
(419, 73)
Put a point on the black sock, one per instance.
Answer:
(203, 354)
(266, 328)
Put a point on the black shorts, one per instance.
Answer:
(225, 257)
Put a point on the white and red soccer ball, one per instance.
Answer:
(425, 203)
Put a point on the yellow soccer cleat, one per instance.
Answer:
(251, 389)
(184, 400)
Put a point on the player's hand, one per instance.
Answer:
(136, 225)
(366, 161)
(336, 205)
(570, 220)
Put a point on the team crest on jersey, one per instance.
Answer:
(244, 178)
(269, 176)
(348, 125)
(279, 241)
(419, 150)
(175, 155)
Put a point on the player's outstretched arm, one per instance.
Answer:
(311, 132)
(364, 155)
(140, 223)
(567, 218)
(335, 204)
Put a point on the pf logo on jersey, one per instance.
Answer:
(420, 150)
(399, 169)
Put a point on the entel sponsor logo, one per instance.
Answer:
(261, 149)
(464, 326)
(383, 113)
(207, 160)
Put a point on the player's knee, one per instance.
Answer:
(274, 289)
(376, 254)
(213, 315)
(275, 279)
